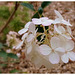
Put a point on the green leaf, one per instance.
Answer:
(0, 71)
(3, 54)
(40, 10)
(11, 55)
(36, 15)
(1, 45)
(30, 6)
(45, 3)
(14, 71)
(3, 65)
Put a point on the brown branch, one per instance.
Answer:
(11, 16)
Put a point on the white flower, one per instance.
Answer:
(52, 52)
(13, 33)
(25, 29)
(12, 39)
(29, 26)
(31, 36)
(43, 20)
(24, 36)
(61, 30)
(60, 19)
(31, 47)
(69, 54)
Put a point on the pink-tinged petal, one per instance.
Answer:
(60, 49)
(69, 45)
(30, 38)
(65, 58)
(69, 30)
(66, 36)
(54, 58)
(58, 14)
(27, 25)
(71, 55)
(55, 42)
(66, 23)
(36, 21)
(44, 18)
(24, 36)
(19, 45)
(57, 30)
(47, 22)
(45, 50)
(29, 49)
(22, 31)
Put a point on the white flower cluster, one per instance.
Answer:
(12, 41)
(56, 42)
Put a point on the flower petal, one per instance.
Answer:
(28, 24)
(66, 36)
(22, 31)
(32, 28)
(58, 14)
(65, 58)
(71, 55)
(61, 29)
(36, 21)
(55, 42)
(24, 36)
(44, 18)
(45, 50)
(57, 30)
(30, 38)
(57, 20)
(54, 58)
(69, 44)
(29, 49)
(47, 22)
(60, 49)
(66, 23)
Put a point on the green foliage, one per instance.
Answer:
(16, 24)
(14, 71)
(3, 65)
(1, 45)
(30, 6)
(4, 12)
(3, 54)
(5, 58)
(0, 71)
(36, 15)
(11, 55)
(5, 31)
(21, 17)
(45, 3)
(40, 10)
